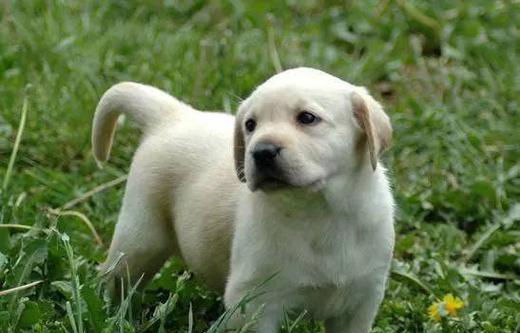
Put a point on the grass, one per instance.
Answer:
(447, 72)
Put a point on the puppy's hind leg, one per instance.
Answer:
(366, 300)
(143, 239)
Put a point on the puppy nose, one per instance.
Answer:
(265, 153)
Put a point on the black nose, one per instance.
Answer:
(265, 154)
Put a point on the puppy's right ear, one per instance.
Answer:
(239, 147)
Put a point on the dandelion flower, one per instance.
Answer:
(448, 307)
(452, 304)
(433, 312)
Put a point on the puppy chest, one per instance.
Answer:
(325, 302)
(325, 259)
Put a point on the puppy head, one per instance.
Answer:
(303, 126)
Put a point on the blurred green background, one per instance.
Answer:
(447, 73)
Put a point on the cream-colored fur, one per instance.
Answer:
(322, 231)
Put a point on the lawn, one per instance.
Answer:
(448, 73)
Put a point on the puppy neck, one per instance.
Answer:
(356, 187)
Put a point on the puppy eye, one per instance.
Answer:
(307, 118)
(250, 125)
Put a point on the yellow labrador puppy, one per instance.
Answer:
(289, 192)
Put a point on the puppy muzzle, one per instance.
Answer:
(267, 174)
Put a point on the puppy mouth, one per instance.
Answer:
(272, 184)
(269, 180)
(275, 179)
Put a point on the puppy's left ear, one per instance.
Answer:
(374, 122)
(239, 147)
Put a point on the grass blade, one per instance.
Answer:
(75, 283)
(70, 315)
(190, 319)
(412, 278)
(21, 226)
(16, 146)
(296, 321)
(83, 218)
(273, 51)
(95, 190)
(20, 288)
(471, 251)
(489, 275)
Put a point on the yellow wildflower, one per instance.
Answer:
(448, 307)
(452, 304)
(433, 311)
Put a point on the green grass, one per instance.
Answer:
(447, 72)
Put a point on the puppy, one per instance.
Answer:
(288, 196)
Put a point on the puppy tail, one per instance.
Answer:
(146, 105)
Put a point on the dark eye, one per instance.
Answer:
(307, 118)
(250, 125)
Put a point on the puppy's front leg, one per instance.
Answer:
(361, 316)
(262, 314)
(358, 321)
